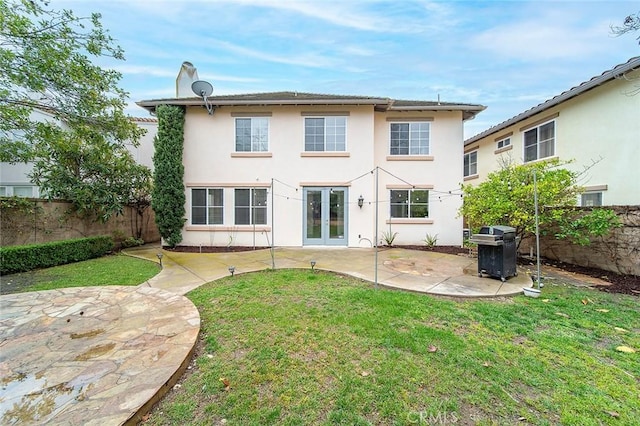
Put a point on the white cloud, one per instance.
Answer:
(304, 59)
(561, 33)
(144, 70)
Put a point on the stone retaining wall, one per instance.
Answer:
(617, 252)
(51, 221)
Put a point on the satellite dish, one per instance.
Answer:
(204, 89)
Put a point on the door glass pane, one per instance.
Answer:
(336, 214)
(314, 214)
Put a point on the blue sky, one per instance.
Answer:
(508, 56)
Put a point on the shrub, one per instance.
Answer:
(132, 242)
(431, 240)
(388, 238)
(168, 196)
(25, 258)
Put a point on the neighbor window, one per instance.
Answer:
(471, 163)
(23, 191)
(3, 191)
(503, 143)
(409, 203)
(251, 206)
(409, 138)
(591, 199)
(325, 133)
(207, 206)
(252, 134)
(539, 142)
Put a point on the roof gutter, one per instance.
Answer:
(152, 104)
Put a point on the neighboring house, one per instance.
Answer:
(298, 169)
(595, 124)
(14, 178)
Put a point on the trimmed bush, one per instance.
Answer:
(25, 258)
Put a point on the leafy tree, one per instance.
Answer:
(507, 198)
(46, 64)
(99, 178)
(168, 192)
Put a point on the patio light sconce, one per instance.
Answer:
(232, 270)
(159, 255)
(313, 264)
(360, 201)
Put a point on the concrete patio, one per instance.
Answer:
(402, 269)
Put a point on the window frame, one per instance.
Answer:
(465, 172)
(251, 207)
(325, 133)
(410, 141)
(599, 201)
(207, 207)
(506, 142)
(539, 142)
(409, 201)
(252, 144)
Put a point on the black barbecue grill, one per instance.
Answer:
(496, 251)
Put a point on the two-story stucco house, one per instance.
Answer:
(298, 169)
(595, 124)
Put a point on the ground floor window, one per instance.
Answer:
(591, 199)
(207, 206)
(407, 203)
(250, 206)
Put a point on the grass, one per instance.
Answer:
(107, 270)
(300, 348)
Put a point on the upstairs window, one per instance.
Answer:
(407, 203)
(252, 134)
(503, 143)
(410, 138)
(539, 142)
(207, 206)
(325, 134)
(471, 163)
(251, 206)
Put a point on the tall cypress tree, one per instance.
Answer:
(168, 190)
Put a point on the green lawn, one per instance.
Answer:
(301, 348)
(107, 270)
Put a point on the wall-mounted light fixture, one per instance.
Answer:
(159, 255)
(360, 201)
(232, 270)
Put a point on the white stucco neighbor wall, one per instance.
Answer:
(598, 130)
(143, 153)
(14, 178)
(210, 161)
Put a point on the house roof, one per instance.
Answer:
(616, 72)
(144, 119)
(469, 111)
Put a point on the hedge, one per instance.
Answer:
(25, 258)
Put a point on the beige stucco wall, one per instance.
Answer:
(598, 130)
(210, 161)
